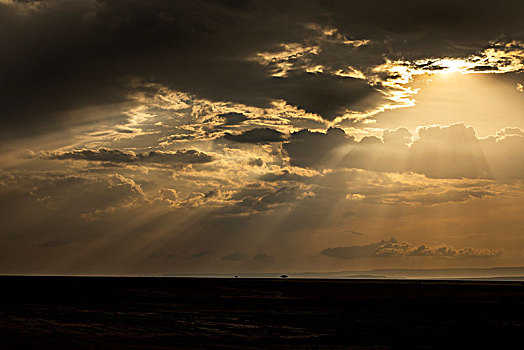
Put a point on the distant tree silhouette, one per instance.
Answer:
(284, 276)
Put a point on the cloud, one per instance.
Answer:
(236, 256)
(375, 187)
(268, 198)
(262, 258)
(259, 135)
(180, 156)
(446, 251)
(442, 196)
(398, 137)
(394, 248)
(85, 194)
(200, 254)
(306, 148)
(162, 255)
(55, 210)
(448, 152)
(285, 175)
(232, 118)
(101, 155)
(256, 162)
(73, 192)
(509, 132)
(328, 96)
(451, 151)
(224, 120)
(100, 49)
(383, 248)
(116, 156)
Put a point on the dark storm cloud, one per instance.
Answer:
(417, 29)
(326, 95)
(180, 156)
(259, 135)
(116, 156)
(392, 247)
(101, 154)
(64, 55)
(233, 118)
(58, 56)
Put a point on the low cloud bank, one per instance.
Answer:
(394, 248)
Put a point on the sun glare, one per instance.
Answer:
(453, 66)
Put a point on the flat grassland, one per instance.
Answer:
(248, 313)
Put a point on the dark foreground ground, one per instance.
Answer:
(159, 313)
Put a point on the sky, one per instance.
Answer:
(229, 137)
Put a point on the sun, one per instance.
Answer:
(449, 66)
